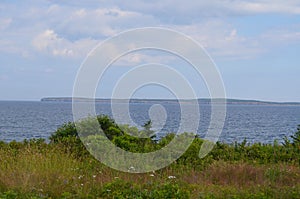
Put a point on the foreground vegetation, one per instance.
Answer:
(64, 169)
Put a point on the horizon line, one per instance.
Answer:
(172, 99)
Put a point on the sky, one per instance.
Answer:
(254, 44)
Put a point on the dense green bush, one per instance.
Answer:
(125, 137)
(134, 140)
(64, 132)
(68, 137)
(108, 126)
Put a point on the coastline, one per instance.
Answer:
(200, 101)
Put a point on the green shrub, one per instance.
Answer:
(67, 130)
(296, 137)
(108, 126)
(122, 189)
(128, 138)
(170, 190)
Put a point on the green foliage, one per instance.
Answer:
(134, 140)
(113, 132)
(64, 132)
(108, 126)
(64, 169)
(296, 137)
(256, 153)
(147, 132)
(171, 190)
(258, 193)
(9, 195)
(191, 158)
(67, 135)
(122, 189)
(127, 138)
(106, 122)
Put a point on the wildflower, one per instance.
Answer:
(172, 177)
(152, 175)
(94, 176)
(131, 169)
(81, 176)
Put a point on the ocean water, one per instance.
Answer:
(256, 123)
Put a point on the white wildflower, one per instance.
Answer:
(131, 169)
(81, 176)
(172, 177)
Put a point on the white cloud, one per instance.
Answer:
(282, 36)
(222, 39)
(11, 47)
(101, 22)
(49, 42)
(70, 29)
(144, 57)
(42, 41)
(187, 11)
(269, 6)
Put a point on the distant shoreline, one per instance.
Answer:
(200, 101)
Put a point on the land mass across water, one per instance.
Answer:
(138, 100)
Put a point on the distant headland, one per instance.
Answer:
(200, 101)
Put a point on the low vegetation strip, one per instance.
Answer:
(63, 168)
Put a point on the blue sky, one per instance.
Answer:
(255, 44)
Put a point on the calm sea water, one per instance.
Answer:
(256, 123)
